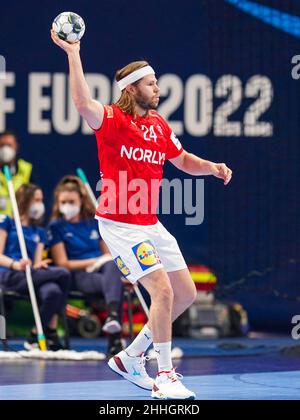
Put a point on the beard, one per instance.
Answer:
(146, 104)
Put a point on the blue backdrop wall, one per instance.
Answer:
(224, 69)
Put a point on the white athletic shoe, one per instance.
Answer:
(168, 386)
(111, 326)
(132, 369)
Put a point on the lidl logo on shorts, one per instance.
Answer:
(146, 255)
(122, 266)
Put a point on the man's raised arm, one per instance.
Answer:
(91, 110)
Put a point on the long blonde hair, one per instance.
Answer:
(72, 183)
(126, 101)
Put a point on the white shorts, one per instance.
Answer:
(140, 250)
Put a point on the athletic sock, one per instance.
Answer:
(163, 355)
(141, 343)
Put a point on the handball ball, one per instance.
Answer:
(69, 26)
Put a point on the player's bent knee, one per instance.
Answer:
(187, 297)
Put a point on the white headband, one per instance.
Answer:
(135, 76)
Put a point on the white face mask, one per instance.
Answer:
(36, 211)
(69, 210)
(7, 154)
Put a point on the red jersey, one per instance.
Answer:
(132, 153)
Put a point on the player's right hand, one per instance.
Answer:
(220, 170)
(63, 44)
(21, 265)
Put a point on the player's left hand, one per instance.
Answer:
(42, 264)
(220, 170)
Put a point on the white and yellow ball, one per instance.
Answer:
(69, 26)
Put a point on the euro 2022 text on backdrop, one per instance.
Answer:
(2, 67)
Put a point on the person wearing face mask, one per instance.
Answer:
(20, 169)
(52, 284)
(76, 245)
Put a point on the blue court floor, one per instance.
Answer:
(215, 369)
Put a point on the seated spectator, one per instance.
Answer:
(76, 245)
(51, 283)
(20, 169)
